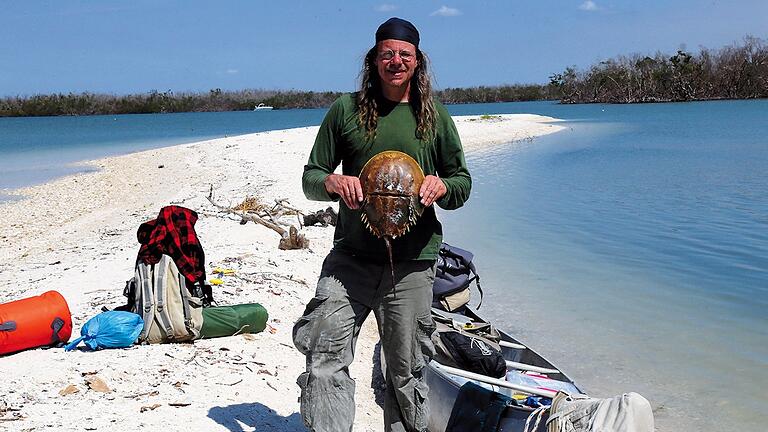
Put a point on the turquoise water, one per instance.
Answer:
(630, 249)
(38, 149)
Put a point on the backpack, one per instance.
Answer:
(168, 288)
(474, 348)
(477, 409)
(159, 294)
(628, 412)
(173, 233)
(453, 276)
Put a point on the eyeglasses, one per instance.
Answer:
(405, 56)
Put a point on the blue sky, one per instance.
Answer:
(141, 45)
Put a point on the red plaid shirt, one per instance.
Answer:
(173, 234)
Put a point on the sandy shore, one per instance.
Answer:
(77, 235)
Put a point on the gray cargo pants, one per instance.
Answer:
(350, 288)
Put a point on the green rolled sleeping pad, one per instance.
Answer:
(223, 321)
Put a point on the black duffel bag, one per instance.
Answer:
(455, 272)
(471, 352)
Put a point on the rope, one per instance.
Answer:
(538, 413)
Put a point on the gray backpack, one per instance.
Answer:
(629, 412)
(161, 297)
(453, 276)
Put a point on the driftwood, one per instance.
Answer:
(322, 217)
(289, 238)
(294, 240)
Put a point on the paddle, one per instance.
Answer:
(527, 367)
(493, 381)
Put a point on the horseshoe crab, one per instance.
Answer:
(391, 181)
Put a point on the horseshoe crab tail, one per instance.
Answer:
(388, 243)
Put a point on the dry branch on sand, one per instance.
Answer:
(252, 210)
(322, 217)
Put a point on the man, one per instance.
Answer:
(394, 110)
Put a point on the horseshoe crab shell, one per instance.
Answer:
(391, 181)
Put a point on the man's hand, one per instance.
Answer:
(347, 187)
(432, 190)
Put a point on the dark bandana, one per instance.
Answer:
(399, 29)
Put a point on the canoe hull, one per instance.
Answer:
(442, 394)
(444, 386)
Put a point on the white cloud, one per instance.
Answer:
(588, 5)
(232, 71)
(386, 7)
(446, 12)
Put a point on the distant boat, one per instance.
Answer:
(261, 106)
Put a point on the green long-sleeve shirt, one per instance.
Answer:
(341, 140)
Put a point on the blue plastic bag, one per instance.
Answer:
(112, 329)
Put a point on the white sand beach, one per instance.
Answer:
(77, 235)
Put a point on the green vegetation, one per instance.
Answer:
(487, 117)
(218, 100)
(732, 72)
(739, 71)
(507, 93)
(156, 102)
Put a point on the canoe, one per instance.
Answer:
(526, 371)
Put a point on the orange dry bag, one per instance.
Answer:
(34, 322)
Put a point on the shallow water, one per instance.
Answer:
(36, 150)
(630, 249)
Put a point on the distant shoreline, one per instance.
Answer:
(735, 72)
(41, 105)
(217, 100)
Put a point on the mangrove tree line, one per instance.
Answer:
(739, 71)
(218, 100)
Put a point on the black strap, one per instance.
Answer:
(57, 325)
(445, 249)
(8, 326)
(476, 278)
(204, 292)
(130, 293)
(208, 296)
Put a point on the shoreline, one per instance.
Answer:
(76, 235)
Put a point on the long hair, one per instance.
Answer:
(420, 97)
